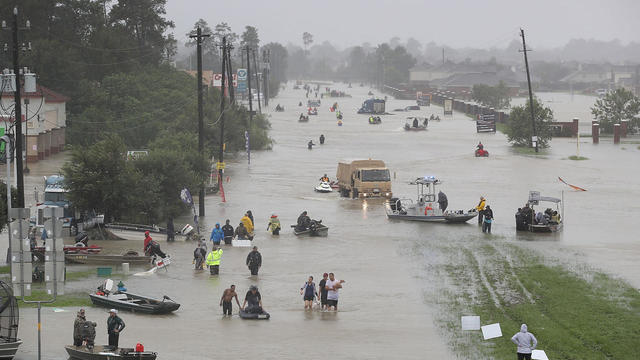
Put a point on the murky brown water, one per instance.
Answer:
(388, 302)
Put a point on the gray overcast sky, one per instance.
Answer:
(457, 23)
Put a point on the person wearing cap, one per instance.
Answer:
(213, 260)
(254, 261)
(323, 291)
(147, 239)
(115, 325)
(254, 300)
(77, 328)
(274, 225)
(480, 209)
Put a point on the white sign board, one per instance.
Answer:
(242, 74)
(217, 80)
(539, 355)
(491, 331)
(470, 323)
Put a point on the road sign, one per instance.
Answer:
(220, 165)
(242, 74)
(48, 225)
(217, 80)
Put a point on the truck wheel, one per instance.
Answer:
(354, 193)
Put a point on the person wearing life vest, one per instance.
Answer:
(213, 260)
(325, 178)
(274, 225)
(480, 209)
(428, 208)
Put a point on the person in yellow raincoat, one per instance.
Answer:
(480, 209)
(248, 224)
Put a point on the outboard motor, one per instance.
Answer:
(393, 202)
(82, 239)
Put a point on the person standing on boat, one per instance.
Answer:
(216, 235)
(213, 260)
(443, 202)
(488, 219)
(225, 301)
(115, 325)
(147, 239)
(227, 231)
(480, 209)
(77, 328)
(254, 261)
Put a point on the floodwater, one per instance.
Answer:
(389, 302)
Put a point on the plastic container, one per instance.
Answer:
(104, 271)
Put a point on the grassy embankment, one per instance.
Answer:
(38, 291)
(592, 316)
(576, 157)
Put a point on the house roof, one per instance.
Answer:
(470, 79)
(50, 96)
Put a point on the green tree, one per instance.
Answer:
(278, 60)
(208, 43)
(616, 106)
(221, 30)
(496, 97)
(100, 178)
(519, 130)
(250, 37)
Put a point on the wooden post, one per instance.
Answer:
(595, 132)
(575, 127)
(624, 124)
(616, 133)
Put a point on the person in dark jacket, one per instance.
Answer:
(250, 216)
(227, 230)
(241, 232)
(443, 202)
(254, 261)
(88, 333)
(115, 325)
(321, 139)
(171, 231)
(488, 219)
(303, 221)
(77, 328)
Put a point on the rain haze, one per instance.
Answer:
(478, 24)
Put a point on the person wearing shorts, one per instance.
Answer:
(332, 285)
(308, 291)
(323, 291)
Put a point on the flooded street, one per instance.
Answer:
(389, 306)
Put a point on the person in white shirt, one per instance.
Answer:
(332, 286)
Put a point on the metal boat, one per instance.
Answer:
(426, 207)
(135, 303)
(136, 231)
(100, 259)
(103, 352)
(546, 226)
(415, 123)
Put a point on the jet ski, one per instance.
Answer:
(324, 187)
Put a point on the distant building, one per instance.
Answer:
(44, 121)
(604, 76)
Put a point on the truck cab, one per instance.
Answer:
(364, 179)
(55, 195)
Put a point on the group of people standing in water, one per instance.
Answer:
(326, 294)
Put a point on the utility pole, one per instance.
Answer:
(249, 86)
(199, 36)
(255, 65)
(265, 74)
(18, 104)
(221, 154)
(230, 75)
(534, 138)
